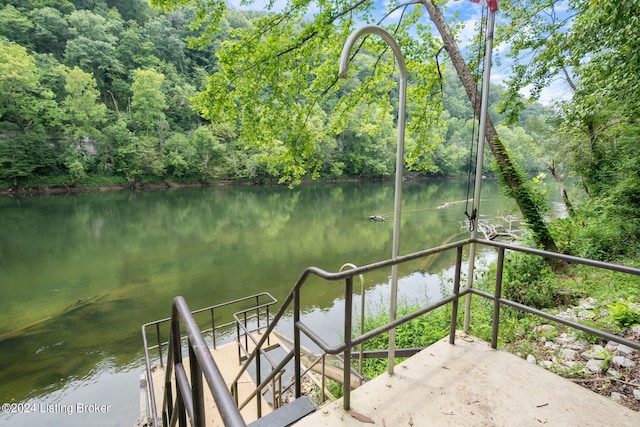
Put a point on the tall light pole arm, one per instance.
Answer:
(344, 61)
(384, 34)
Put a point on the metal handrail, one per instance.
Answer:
(294, 298)
(241, 322)
(189, 395)
(242, 319)
(292, 303)
(498, 300)
(215, 328)
(349, 342)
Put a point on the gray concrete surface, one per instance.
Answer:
(470, 384)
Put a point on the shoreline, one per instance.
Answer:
(46, 190)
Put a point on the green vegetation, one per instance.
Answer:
(101, 93)
(614, 296)
(419, 332)
(625, 313)
(120, 93)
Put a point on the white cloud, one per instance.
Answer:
(558, 90)
(468, 32)
(395, 15)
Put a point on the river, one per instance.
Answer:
(79, 274)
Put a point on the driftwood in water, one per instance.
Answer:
(449, 204)
(493, 231)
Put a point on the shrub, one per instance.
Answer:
(625, 313)
(529, 280)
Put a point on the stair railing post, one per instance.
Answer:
(196, 389)
(258, 382)
(456, 292)
(296, 342)
(176, 349)
(348, 318)
(496, 299)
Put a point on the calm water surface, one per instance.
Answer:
(79, 274)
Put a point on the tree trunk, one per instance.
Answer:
(565, 196)
(514, 180)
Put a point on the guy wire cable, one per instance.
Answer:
(474, 133)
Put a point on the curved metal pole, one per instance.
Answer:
(344, 60)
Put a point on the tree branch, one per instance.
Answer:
(569, 80)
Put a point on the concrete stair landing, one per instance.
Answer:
(470, 384)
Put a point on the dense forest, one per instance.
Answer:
(110, 92)
(103, 92)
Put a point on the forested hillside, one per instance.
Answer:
(102, 91)
(120, 92)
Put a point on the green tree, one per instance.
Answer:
(148, 102)
(367, 149)
(15, 26)
(273, 74)
(64, 6)
(83, 115)
(135, 50)
(180, 155)
(210, 149)
(150, 158)
(92, 46)
(592, 46)
(167, 43)
(523, 149)
(26, 111)
(134, 10)
(51, 31)
(117, 154)
(179, 92)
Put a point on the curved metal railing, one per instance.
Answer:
(292, 305)
(188, 397)
(259, 302)
(293, 302)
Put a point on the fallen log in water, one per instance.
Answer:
(31, 328)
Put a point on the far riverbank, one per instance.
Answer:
(47, 189)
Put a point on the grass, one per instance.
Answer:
(419, 332)
(616, 293)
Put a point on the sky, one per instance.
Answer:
(469, 14)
